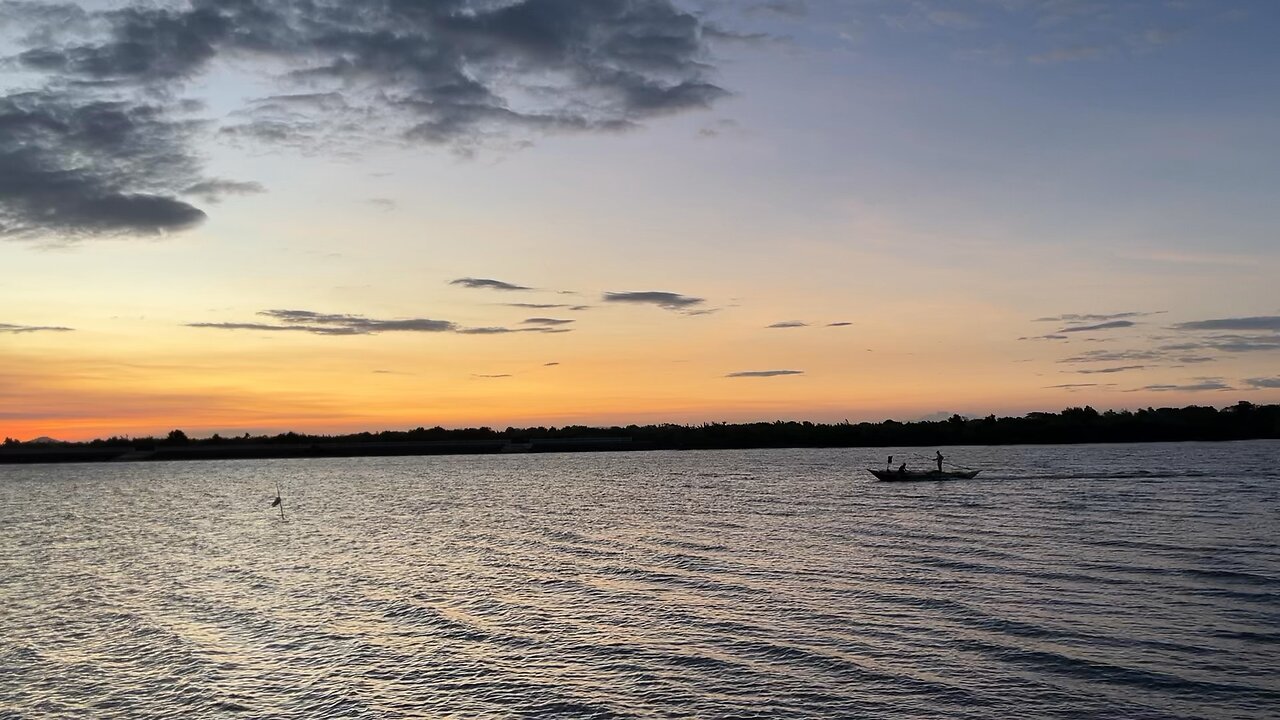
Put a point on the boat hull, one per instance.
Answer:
(910, 475)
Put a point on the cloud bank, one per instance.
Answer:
(100, 147)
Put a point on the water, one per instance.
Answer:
(1137, 581)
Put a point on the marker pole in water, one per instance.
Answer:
(278, 502)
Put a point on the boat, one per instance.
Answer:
(904, 475)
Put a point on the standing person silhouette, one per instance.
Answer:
(939, 459)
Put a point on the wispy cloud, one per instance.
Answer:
(1201, 385)
(662, 299)
(763, 373)
(315, 323)
(787, 324)
(1269, 383)
(1112, 325)
(546, 321)
(215, 190)
(20, 329)
(1105, 371)
(1071, 387)
(1075, 53)
(486, 283)
(1245, 324)
(839, 324)
(1113, 356)
(1094, 317)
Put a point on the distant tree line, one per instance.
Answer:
(1242, 421)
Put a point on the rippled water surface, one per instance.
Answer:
(1090, 581)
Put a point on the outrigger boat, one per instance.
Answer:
(903, 475)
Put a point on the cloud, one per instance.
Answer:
(546, 321)
(215, 190)
(1247, 324)
(665, 300)
(1231, 343)
(1100, 371)
(493, 377)
(550, 364)
(763, 373)
(91, 152)
(1045, 337)
(1263, 382)
(839, 324)
(72, 167)
(21, 329)
(1113, 356)
(485, 283)
(1202, 385)
(537, 306)
(1071, 387)
(306, 321)
(787, 324)
(1075, 53)
(383, 204)
(1090, 317)
(1112, 325)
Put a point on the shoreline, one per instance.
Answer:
(270, 451)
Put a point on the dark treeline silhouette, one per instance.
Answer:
(1242, 421)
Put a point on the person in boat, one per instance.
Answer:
(939, 459)
(902, 469)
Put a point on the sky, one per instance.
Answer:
(256, 216)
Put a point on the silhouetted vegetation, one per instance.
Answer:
(1242, 421)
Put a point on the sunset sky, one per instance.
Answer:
(264, 215)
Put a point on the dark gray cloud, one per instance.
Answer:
(315, 323)
(537, 306)
(763, 373)
(1262, 323)
(1263, 382)
(214, 190)
(1045, 337)
(1104, 371)
(21, 329)
(1111, 325)
(787, 324)
(839, 324)
(72, 167)
(1201, 385)
(86, 154)
(1078, 386)
(665, 300)
(486, 283)
(545, 321)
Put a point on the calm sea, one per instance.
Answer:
(1130, 581)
